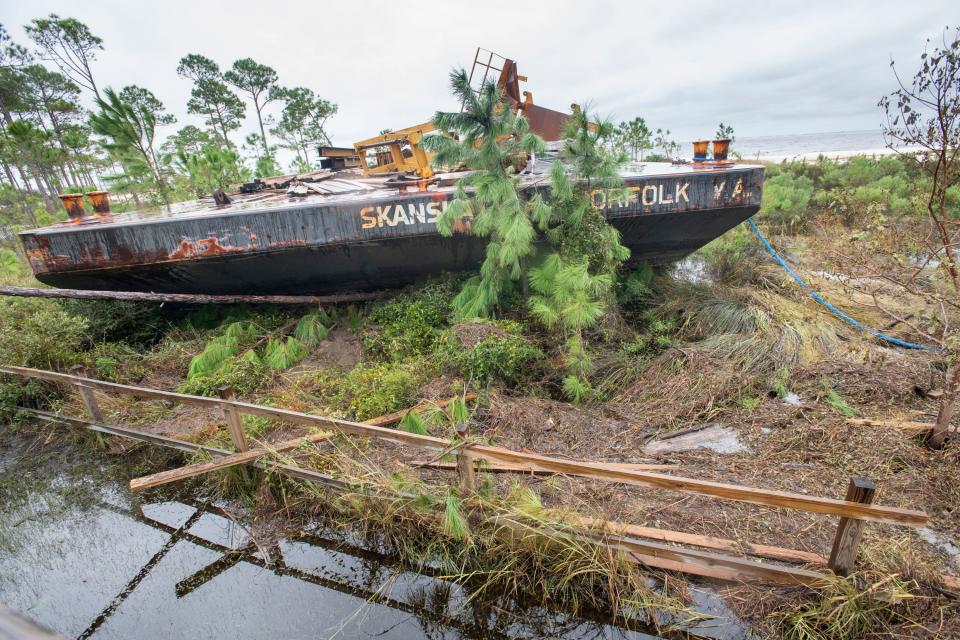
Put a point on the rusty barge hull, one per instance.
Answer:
(364, 239)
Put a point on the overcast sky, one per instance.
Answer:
(764, 67)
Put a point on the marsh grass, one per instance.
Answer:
(844, 608)
(501, 547)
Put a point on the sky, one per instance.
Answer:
(766, 68)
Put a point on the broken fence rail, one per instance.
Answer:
(611, 535)
(845, 544)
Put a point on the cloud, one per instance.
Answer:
(764, 67)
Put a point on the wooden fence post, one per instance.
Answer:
(86, 394)
(468, 480)
(843, 556)
(234, 424)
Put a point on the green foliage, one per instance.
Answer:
(10, 263)
(38, 334)
(370, 390)
(785, 200)
(282, 354)
(211, 97)
(733, 258)
(657, 334)
(503, 357)
(576, 390)
(492, 142)
(455, 523)
(410, 324)
(844, 610)
(413, 423)
(41, 334)
(633, 138)
(116, 320)
(836, 401)
(131, 130)
(302, 122)
(312, 329)
(245, 375)
(637, 285)
(219, 350)
(214, 167)
(259, 82)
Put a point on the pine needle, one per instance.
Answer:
(413, 423)
(283, 354)
(311, 330)
(455, 524)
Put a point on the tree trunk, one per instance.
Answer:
(947, 408)
(263, 133)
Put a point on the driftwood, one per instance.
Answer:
(191, 298)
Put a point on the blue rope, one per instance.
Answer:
(816, 296)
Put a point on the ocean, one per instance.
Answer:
(809, 145)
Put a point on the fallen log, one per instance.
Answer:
(191, 298)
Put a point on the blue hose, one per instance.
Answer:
(816, 296)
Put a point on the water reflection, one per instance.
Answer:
(106, 566)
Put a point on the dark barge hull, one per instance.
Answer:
(360, 242)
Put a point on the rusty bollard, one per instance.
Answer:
(700, 150)
(720, 149)
(100, 201)
(73, 203)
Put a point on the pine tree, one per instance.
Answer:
(131, 131)
(492, 141)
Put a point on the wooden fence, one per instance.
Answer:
(643, 544)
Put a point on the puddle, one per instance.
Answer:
(88, 560)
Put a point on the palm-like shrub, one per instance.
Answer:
(491, 141)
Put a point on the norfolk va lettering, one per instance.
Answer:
(626, 198)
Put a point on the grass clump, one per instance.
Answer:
(244, 375)
(836, 401)
(491, 352)
(408, 325)
(369, 390)
(843, 610)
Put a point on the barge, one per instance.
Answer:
(356, 233)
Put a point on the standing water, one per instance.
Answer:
(81, 555)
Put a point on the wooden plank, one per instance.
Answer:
(905, 425)
(200, 468)
(843, 556)
(465, 471)
(307, 475)
(709, 542)
(754, 495)
(234, 419)
(521, 468)
(700, 562)
(87, 395)
(812, 504)
(673, 558)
